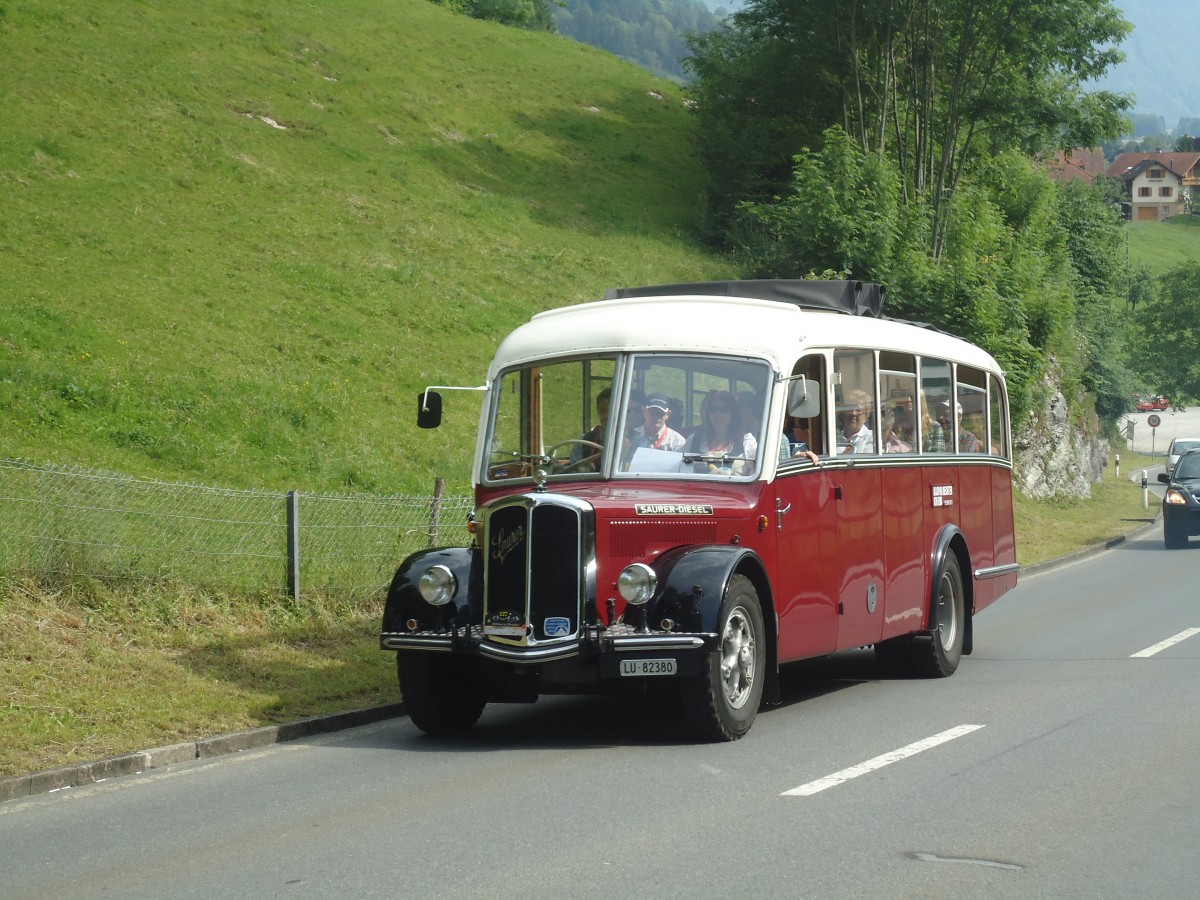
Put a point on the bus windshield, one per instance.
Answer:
(635, 415)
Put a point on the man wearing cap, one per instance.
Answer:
(654, 432)
(967, 442)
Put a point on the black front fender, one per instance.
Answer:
(693, 581)
(404, 600)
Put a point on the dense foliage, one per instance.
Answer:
(1170, 319)
(532, 14)
(651, 33)
(892, 141)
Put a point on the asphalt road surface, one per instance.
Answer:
(1172, 425)
(1059, 761)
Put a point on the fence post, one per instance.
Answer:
(435, 511)
(293, 544)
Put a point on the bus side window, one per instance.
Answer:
(998, 433)
(971, 409)
(897, 397)
(937, 402)
(857, 419)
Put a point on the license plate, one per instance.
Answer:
(648, 667)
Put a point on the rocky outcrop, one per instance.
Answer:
(1055, 455)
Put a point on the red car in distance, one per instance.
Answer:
(1150, 404)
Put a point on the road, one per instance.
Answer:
(1173, 425)
(1057, 762)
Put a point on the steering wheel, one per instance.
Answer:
(572, 466)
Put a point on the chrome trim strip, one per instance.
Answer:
(658, 642)
(527, 654)
(996, 571)
(403, 641)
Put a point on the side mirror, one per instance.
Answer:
(804, 398)
(429, 409)
(1164, 477)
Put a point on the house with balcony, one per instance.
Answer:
(1159, 185)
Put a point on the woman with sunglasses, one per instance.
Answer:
(720, 436)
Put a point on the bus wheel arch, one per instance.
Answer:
(938, 651)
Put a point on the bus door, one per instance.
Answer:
(805, 525)
(857, 556)
(805, 583)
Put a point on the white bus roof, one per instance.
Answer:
(697, 323)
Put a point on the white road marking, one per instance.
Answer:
(933, 857)
(814, 787)
(1163, 645)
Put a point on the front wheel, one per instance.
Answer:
(443, 694)
(1174, 536)
(722, 701)
(940, 656)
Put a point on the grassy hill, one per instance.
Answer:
(1161, 246)
(236, 239)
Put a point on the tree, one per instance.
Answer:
(934, 85)
(840, 215)
(534, 15)
(1171, 329)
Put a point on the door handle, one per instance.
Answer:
(780, 509)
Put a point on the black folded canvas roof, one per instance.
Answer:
(856, 298)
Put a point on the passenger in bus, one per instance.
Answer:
(902, 421)
(894, 431)
(795, 441)
(749, 409)
(933, 433)
(967, 441)
(633, 416)
(655, 434)
(854, 434)
(722, 434)
(584, 458)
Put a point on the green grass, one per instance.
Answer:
(190, 292)
(1161, 246)
(1050, 529)
(90, 672)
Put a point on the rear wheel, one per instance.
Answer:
(443, 694)
(895, 656)
(722, 701)
(940, 657)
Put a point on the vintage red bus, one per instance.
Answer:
(701, 483)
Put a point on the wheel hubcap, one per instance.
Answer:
(947, 612)
(737, 658)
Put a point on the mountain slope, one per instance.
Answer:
(236, 241)
(1160, 58)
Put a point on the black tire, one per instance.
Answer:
(895, 657)
(443, 694)
(939, 657)
(1174, 537)
(722, 701)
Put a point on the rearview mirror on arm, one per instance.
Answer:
(429, 409)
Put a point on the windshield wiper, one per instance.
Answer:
(712, 458)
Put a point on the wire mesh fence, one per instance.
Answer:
(58, 522)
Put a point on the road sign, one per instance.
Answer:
(1153, 421)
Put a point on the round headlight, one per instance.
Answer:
(438, 585)
(637, 584)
